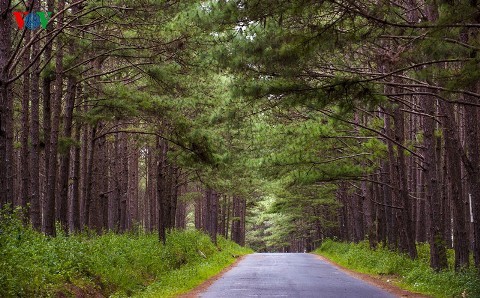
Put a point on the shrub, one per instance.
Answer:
(34, 265)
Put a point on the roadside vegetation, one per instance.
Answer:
(414, 275)
(118, 265)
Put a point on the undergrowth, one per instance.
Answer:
(415, 275)
(34, 265)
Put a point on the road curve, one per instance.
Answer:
(289, 275)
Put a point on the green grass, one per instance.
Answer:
(413, 275)
(33, 265)
(191, 275)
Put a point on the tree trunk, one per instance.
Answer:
(453, 148)
(212, 213)
(122, 176)
(35, 198)
(49, 206)
(438, 254)
(162, 191)
(238, 221)
(115, 198)
(199, 215)
(6, 108)
(152, 174)
(76, 200)
(392, 170)
(63, 209)
(133, 186)
(407, 239)
(90, 170)
(472, 146)
(25, 151)
(181, 213)
(174, 197)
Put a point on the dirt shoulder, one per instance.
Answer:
(383, 282)
(204, 286)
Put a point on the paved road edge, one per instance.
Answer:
(195, 292)
(374, 280)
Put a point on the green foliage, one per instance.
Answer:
(64, 144)
(33, 265)
(48, 72)
(198, 270)
(414, 275)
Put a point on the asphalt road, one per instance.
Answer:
(289, 275)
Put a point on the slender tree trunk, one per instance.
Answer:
(35, 198)
(238, 221)
(369, 197)
(25, 151)
(208, 208)
(392, 170)
(446, 200)
(472, 116)
(198, 213)
(228, 223)
(115, 198)
(161, 190)
(67, 134)
(174, 198)
(61, 205)
(104, 183)
(49, 206)
(76, 200)
(6, 108)
(222, 215)
(453, 148)
(407, 228)
(438, 256)
(123, 181)
(235, 220)
(89, 194)
(86, 150)
(133, 185)
(152, 188)
(181, 213)
(212, 213)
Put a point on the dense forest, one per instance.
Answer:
(276, 123)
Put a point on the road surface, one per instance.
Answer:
(289, 275)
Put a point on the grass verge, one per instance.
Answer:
(413, 275)
(33, 265)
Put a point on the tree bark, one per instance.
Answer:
(452, 147)
(162, 191)
(181, 213)
(76, 199)
(35, 198)
(393, 214)
(49, 206)
(123, 181)
(6, 108)
(25, 148)
(472, 139)
(438, 254)
(212, 213)
(90, 170)
(407, 236)
(238, 221)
